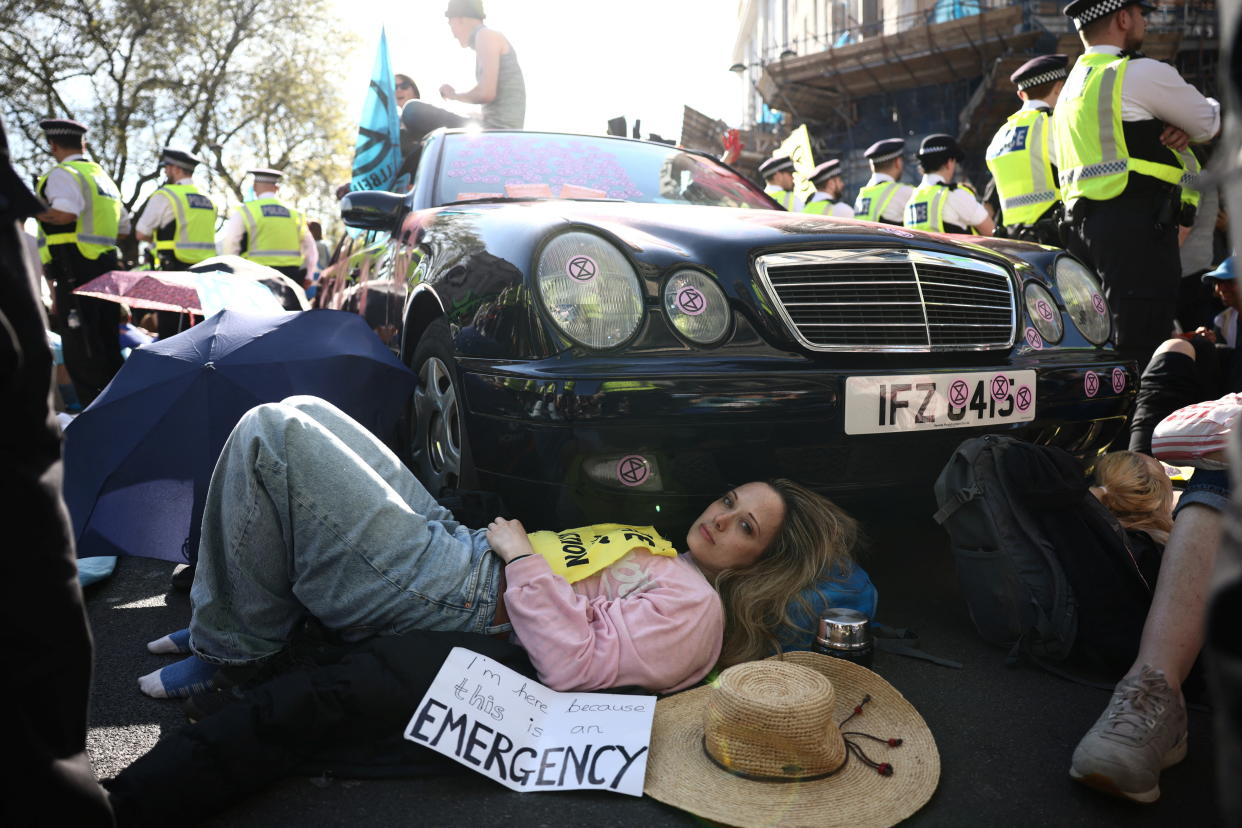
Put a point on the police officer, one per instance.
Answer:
(777, 174)
(182, 222)
(1119, 124)
(828, 187)
(1021, 155)
(77, 242)
(883, 198)
(938, 204)
(269, 232)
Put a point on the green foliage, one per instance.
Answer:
(241, 83)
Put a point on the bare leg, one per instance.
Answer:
(1173, 634)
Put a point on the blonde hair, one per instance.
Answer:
(816, 538)
(1136, 490)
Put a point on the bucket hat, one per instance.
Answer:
(801, 739)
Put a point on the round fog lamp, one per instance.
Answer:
(696, 306)
(1042, 310)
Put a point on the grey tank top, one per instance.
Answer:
(508, 109)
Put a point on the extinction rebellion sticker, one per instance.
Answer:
(581, 268)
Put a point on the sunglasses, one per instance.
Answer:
(405, 86)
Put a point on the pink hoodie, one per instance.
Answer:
(647, 620)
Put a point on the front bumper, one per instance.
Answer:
(610, 444)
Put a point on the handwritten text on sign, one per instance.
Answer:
(530, 738)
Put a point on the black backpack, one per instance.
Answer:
(1044, 567)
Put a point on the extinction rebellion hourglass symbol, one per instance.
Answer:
(582, 268)
(633, 470)
(690, 301)
(958, 393)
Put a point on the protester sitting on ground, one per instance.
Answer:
(308, 514)
(132, 336)
(1195, 367)
(1143, 728)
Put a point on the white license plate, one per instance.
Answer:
(916, 402)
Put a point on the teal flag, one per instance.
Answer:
(377, 153)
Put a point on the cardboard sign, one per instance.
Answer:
(530, 738)
(575, 191)
(528, 191)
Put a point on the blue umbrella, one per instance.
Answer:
(139, 458)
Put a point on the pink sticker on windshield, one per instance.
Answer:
(1044, 309)
(581, 268)
(690, 300)
(1099, 304)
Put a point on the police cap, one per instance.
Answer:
(772, 166)
(62, 128)
(1040, 70)
(465, 8)
(939, 147)
(885, 150)
(1088, 11)
(825, 171)
(180, 158)
(266, 175)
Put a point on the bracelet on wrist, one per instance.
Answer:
(518, 558)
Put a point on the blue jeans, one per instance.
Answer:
(309, 514)
(1207, 487)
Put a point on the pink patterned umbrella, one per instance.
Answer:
(151, 290)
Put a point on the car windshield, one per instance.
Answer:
(516, 165)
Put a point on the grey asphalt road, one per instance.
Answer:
(1005, 735)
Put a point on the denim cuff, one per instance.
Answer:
(1207, 487)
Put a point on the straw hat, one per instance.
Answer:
(782, 742)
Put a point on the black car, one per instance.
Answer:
(611, 329)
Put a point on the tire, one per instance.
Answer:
(438, 448)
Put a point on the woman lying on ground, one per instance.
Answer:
(1136, 489)
(309, 515)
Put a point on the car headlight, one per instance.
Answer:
(1042, 310)
(1084, 300)
(589, 290)
(696, 306)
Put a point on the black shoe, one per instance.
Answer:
(183, 578)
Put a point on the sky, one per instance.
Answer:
(584, 61)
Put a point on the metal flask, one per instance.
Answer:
(845, 633)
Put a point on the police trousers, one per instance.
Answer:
(1136, 257)
(88, 327)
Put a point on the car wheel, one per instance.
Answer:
(439, 451)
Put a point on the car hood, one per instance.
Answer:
(662, 231)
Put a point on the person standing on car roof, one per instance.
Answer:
(77, 242)
(938, 204)
(1120, 127)
(500, 87)
(181, 220)
(269, 232)
(828, 187)
(777, 175)
(884, 196)
(1020, 155)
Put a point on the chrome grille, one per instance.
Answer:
(891, 300)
